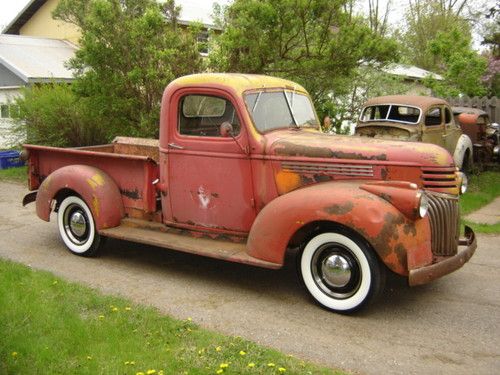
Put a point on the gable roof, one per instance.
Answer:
(23, 16)
(36, 59)
(191, 11)
(412, 72)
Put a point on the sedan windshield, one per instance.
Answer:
(390, 112)
(272, 110)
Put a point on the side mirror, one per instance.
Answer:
(226, 129)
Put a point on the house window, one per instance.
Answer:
(202, 40)
(9, 111)
(4, 111)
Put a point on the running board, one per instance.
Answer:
(225, 250)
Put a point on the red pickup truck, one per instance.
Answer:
(241, 172)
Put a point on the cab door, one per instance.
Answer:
(452, 131)
(433, 128)
(209, 170)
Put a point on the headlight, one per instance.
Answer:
(464, 184)
(423, 206)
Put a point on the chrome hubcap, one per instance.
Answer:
(336, 270)
(77, 223)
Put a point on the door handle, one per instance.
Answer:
(177, 147)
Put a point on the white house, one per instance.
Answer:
(26, 61)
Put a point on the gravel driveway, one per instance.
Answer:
(451, 326)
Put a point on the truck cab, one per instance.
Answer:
(242, 172)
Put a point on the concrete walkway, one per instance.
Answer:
(489, 214)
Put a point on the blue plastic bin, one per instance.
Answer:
(10, 159)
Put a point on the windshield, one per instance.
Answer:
(390, 112)
(280, 109)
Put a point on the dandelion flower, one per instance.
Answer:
(14, 354)
(55, 282)
(160, 372)
(189, 319)
(242, 352)
(128, 308)
(151, 372)
(139, 373)
(219, 371)
(89, 357)
(127, 363)
(218, 349)
(270, 364)
(251, 365)
(132, 362)
(114, 309)
(224, 365)
(282, 370)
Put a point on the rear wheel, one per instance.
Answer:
(77, 227)
(341, 273)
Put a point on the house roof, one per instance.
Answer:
(409, 71)
(36, 59)
(191, 10)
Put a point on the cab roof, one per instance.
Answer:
(422, 102)
(237, 81)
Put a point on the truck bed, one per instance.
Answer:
(131, 162)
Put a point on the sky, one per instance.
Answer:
(10, 8)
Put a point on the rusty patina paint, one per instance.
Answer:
(391, 233)
(96, 188)
(132, 194)
(339, 209)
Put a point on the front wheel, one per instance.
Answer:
(77, 227)
(341, 273)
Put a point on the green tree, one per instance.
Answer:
(129, 51)
(461, 67)
(317, 43)
(438, 38)
(51, 114)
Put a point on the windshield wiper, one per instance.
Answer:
(290, 109)
(256, 101)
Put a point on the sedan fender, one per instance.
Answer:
(401, 242)
(95, 187)
(463, 150)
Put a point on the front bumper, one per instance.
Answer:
(434, 271)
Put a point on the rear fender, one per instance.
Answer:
(95, 187)
(401, 243)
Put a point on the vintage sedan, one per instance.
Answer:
(418, 119)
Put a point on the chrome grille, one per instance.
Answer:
(439, 179)
(330, 169)
(444, 218)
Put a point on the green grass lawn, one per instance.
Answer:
(483, 189)
(14, 174)
(49, 326)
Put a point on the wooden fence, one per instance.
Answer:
(489, 105)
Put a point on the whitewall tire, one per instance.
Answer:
(341, 273)
(77, 227)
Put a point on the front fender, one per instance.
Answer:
(95, 187)
(464, 144)
(400, 242)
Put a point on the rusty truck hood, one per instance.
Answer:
(296, 143)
